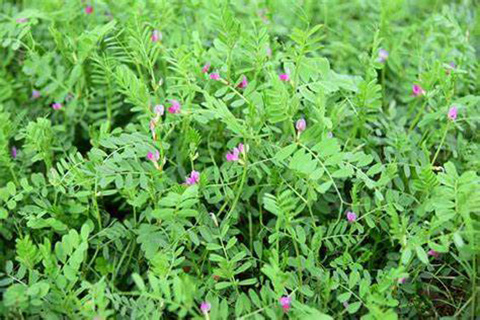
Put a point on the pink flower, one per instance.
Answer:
(382, 55)
(153, 156)
(284, 77)
(35, 94)
(402, 280)
(235, 154)
(351, 216)
(285, 302)
(21, 20)
(156, 36)
(301, 125)
(57, 106)
(417, 90)
(452, 113)
(244, 83)
(88, 9)
(14, 152)
(206, 67)
(215, 76)
(433, 253)
(175, 106)
(205, 307)
(193, 179)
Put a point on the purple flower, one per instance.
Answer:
(301, 125)
(14, 152)
(382, 55)
(284, 77)
(351, 216)
(244, 83)
(285, 302)
(417, 90)
(175, 106)
(194, 178)
(452, 113)
(206, 67)
(234, 155)
(205, 307)
(153, 156)
(88, 9)
(402, 280)
(215, 76)
(35, 94)
(156, 36)
(57, 106)
(433, 253)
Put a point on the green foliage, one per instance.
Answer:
(92, 228)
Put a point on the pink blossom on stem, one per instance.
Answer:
(175, 106)
(417, 90)
(14, 152)
(57, 106)
(194, 178)
(88, 9)
(285, 302)
(284, 77)
(452, 113)
(205, 307)
(206, 67)
(154, 157)
(215, 76)
(234, 155)
(351, 216)
(301, 125)
(244, 83)
(433, 253)
(156, 36)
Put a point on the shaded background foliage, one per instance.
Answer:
(91, 229)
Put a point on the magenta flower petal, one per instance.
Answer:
(14, 152)
(175, 106)
(57, 106)
(285, 302)
(433, 253)
(215, 76)
(284, 77)
(88, 9)
(351, 216)
(156, 36)
(205, 307)
(301, 125)
(206, 67)
(244, 83)
(417, 90)
(35, 94)
(452, 113)
(194, 178)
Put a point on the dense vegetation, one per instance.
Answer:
(219, 159)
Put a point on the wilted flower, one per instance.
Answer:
(57, 106)
(154, 157)
(452, 113)
(35, 94)
(14, 152)
(417, 90)
(159, 110)
(205, 307)
(88, 9)
(215, 76)
(301, 125)
(382, 55)
(156, 36)
(285, 302)
(284, 77)
(433, 253)
(21, 20)
(351, 216)
(244, 83)
(194, 178)
(206, 67)
(175, 106)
